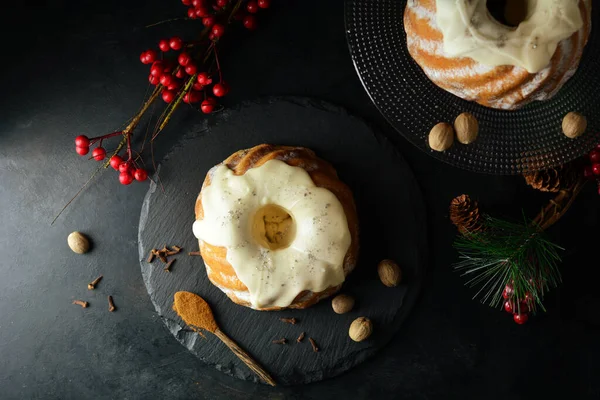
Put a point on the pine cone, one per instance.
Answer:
(553, 179)
(464, 213)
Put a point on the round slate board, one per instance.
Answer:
(392, 221)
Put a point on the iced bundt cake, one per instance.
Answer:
(277, 228)
(465, 50)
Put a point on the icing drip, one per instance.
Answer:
(470, 31)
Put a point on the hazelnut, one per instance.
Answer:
(441, 137)
(389, 273)
(360, 329)
(342, 303)
(574, 125)
(466, 127)
(78, 242)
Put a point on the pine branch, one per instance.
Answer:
(509, 252)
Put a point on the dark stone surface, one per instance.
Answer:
(392, 221)
(71, 67)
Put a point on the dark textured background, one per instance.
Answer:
(71, 67)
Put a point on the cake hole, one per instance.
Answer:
(508, 12)
(273, 227)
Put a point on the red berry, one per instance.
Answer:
(157, 69)
(520, 318)
(154, 80)
(595, 156)
(508, 307)
(252, 6)
(220, 89)
(507, 292)
(140, 175)
(176, 43)
(523, 308)
(596, 169)
(264, 3)
(208, 105)
(208, 21)
(115, 161)
(218, 30)
(125, 178)
(197, 3)
(180, 73)
(163, 45)
(598, 146)
(222, 3)
(211, 36)
(124, 167)
(144, 59)
(191, 97)
(175, 85)
(82, 141)
(166, 80)
(250, 22)
(99, 153)
(204, 79)
(191, 69)
(186, 2)
(202, 12)
(197, 86)
(82, 150)
(191, 13)
(168, 96)
(588, 172)
(151, 56)
(184, 59)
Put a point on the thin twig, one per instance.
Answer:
(167, 20)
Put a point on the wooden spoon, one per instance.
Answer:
(196, 313)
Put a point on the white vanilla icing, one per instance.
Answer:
(470, 31)
(314, 241)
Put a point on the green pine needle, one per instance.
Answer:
(506, 252)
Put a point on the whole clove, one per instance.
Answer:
(313, 344)
(289, 320)
(92, 284)
(151, 256)
(194, 253)
(300, 337)
(168, 266)
(81, 303)
(280, 341)
(111, 304)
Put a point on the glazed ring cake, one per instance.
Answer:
(277, 228)
(466, 51)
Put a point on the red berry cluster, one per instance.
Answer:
(173, 75)
(520, 308)
(128, 171)
(592, 171)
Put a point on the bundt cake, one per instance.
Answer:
(463, 49)
(277, 228)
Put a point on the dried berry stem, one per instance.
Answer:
(559, 205)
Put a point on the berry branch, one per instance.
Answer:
(181, 72)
